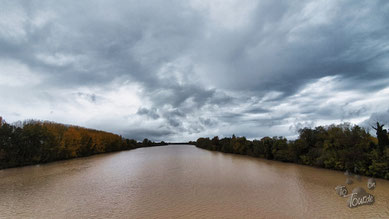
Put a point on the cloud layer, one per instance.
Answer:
(179, 70)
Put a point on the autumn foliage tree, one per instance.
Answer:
(35, 142)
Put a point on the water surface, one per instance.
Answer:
(179, 181)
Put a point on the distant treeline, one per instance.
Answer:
(339, 147)
(33, 142)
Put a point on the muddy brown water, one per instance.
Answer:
(180, 181)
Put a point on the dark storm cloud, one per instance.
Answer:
(288, 43)
(103, 40)
(256, 110)
(152, 113)
(194, 68)
(153, 133)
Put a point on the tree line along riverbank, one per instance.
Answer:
(34, 142)
(339, 147)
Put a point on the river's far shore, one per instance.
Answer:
(262, 159)
(343, 147)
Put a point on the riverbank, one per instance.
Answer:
(337, 147)
(37, 142)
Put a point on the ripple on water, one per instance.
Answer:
(179, 181)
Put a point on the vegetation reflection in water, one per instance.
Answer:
(338, 147)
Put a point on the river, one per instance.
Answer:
(179, 181)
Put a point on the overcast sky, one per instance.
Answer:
(177, 70)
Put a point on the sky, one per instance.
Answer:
(178, 70)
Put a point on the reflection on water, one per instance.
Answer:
(179, 181)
